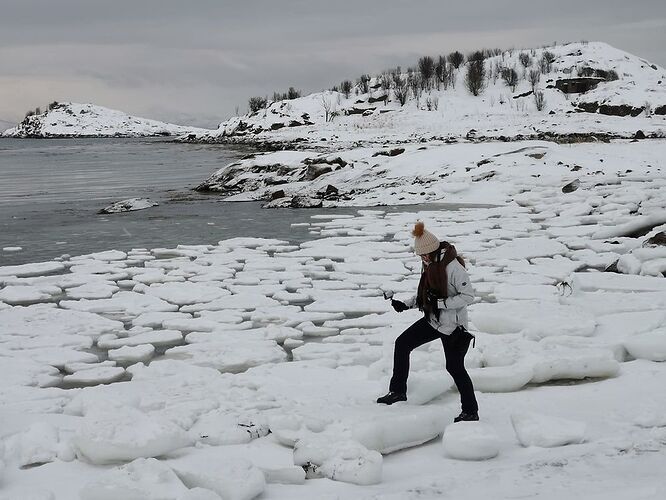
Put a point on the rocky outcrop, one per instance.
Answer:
(577, 85)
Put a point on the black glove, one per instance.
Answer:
(432, 297)
(398, 305)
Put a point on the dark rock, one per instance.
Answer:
(576, 168)
(330, 193)
(588, 107)
(660, 110)
(380, 98)
(294, 123)
(621, 110)
(577, 85)
(551, 112)
(536, 156)
(391, 152)
(483, 162)
(368, 112)
(277, 194)
(524, 94)
(302, 201)
(277, 126)
(471, 134)
(571, 187)
(639, 135)
(484, 177)
(358, 111)
(658, 240)
(314, 171)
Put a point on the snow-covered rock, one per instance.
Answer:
(128, 205)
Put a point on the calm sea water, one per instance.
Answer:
(52, 189)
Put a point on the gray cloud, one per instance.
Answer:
(174, 60)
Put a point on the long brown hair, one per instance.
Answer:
(434, 276)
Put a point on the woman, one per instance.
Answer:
(443, 295)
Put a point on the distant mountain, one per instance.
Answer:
(88, 120)
(577, 88)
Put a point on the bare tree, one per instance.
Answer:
(292, 93)
(475, 78)
(546, 62)
(539, 100)
(400, 87)
(328, 103)
(415, 85)
(346, 88)
(525, 59)
(427, 70)
(456, 59)
(534, 77)
(256, 103)
(510, 77)
(364, 83)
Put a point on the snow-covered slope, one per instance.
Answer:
(636, 100)
(88, 120)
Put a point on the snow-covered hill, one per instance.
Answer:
(88, 120)
(579, 87)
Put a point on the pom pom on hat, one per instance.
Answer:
(424, 241)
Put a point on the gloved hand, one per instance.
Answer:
(432, 297)
(398, 305)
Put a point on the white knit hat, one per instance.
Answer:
(424, 241)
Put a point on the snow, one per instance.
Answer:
(534, 429)
(649, 345)
(141, 479)
(470, 441)
(237, 480)
(204, 371)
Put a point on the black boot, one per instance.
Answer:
(392, 397)
(466, 417)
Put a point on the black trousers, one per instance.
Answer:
(455, 348)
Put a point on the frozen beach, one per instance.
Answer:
(250, 366)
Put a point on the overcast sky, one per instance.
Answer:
(194, 62)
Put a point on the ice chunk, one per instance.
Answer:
(199, 494)
(23, 295)
(617, 282)
(533, 318)
(285, 475)
(558, 363)
(156, 338)
(156, 319)
(35, 269)
(399, 429)
(142, 479)
(94, 376)
(352, 463)
(470, 441)
(122, 302)
(37, 445)
(648, 345)
(187, 293)
(525, 248)
(122, 434)
(94, 290)
(132, 354)
(220, 428)
(502, 378)
(340, 460)
(231, 355)
(533, 429)
(232, 480)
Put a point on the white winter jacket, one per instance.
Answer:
(453, 309)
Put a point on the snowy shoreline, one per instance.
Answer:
(274, 353)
